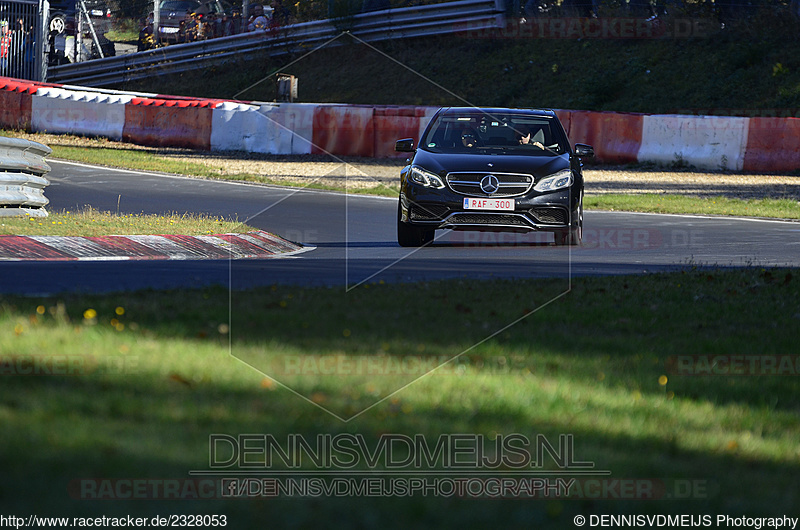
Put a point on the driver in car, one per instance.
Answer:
(469, 138)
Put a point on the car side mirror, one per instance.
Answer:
(584, 151)
(404, 146)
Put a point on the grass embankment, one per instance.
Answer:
(155, 378)
(749, 65)
(124, 30)
(90, 222)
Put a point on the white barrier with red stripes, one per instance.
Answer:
(751, 144)
(60, 111)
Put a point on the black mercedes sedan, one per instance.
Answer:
(492, 169)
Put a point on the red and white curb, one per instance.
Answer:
(251, 245)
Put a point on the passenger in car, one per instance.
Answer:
(526, 138)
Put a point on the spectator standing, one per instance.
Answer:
(29, 52)
(227, 25)
(146, 40)
(191, 28)
(217, 24)
(280, 14)
(258, 20)
(236, 22)
(202, 26)
(268, 14)
(17, 52)
(5, 46)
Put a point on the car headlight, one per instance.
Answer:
(556, 181)
(425, 178)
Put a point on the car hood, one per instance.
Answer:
(173, 18)
(443, 163)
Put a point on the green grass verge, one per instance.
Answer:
(147, 161)
(90, 222)
(657, 203)
(780, 208)
(155, 378)
(139, 159)
(667, 203)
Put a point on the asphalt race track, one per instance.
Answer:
(354, 239)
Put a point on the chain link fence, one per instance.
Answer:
(21, 38)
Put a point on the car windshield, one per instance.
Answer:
(482, 132)
(179, 5)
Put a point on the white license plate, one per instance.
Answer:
(169, 30)
(471, 203)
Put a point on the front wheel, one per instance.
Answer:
(409, 235)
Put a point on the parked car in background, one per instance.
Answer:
(492, 170)
(63, 40)
(182, 20)
(63, 16)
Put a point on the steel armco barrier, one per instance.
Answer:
(428, 20)
(22, 181)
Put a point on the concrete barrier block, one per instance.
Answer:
(708, 142)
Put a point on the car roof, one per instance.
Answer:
(497, 110)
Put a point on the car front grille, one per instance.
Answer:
(487, 219)
(550, 215)
(427, 212)
(469, 183)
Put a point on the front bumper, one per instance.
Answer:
(443, 208)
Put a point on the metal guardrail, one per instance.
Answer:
(421, 21)
(22, 181)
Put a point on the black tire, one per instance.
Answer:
(409, 235)
(572, 237)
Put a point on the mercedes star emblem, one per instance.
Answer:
(490, 184)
